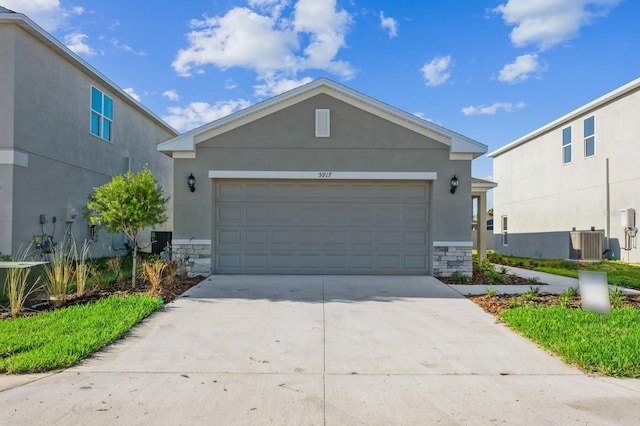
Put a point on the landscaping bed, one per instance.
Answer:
(496, 304)
(168, 291)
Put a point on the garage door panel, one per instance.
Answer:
(322, 227)
(361, 263)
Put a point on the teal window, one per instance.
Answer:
(101, 114)
(566, 145)
(590, 136)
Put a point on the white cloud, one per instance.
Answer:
(326, 27)
(546, 23)
(172, 95)
(230, 84)
(521, 69)
(132, 93)
(76, 43)
(389, 24)
(275, 85)
(198, 113)
(49, 14)
(269, 43)
(240, 38)
(273, 7)
(437, 71)
(492, 109)
(125, 47)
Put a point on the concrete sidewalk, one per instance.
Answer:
(320, 350)
(554, 284)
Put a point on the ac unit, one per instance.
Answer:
(586, 245)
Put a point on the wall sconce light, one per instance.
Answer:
(191, 181)
(454, 184)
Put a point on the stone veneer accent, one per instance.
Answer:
(191, 251)
(452, 258)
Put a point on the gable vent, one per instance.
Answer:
(323, 125)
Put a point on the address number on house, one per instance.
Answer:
(325, 175)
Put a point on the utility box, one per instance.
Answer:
(628, 218)
(160, 240)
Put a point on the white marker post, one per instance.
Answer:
(594, 292)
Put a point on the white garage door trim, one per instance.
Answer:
(320, 174)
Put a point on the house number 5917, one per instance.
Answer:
(324, 175)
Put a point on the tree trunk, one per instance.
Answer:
(135, 266)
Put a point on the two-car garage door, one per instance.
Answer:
(321, 227)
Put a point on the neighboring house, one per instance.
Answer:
(324, 180)
(64, 129)
(579, 172)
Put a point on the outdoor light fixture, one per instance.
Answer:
(454, 184)
(191, 181)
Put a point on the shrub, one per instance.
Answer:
(153, 273)
(459, 277)
(17, 287)
(482, 266)
(58, 275)
(82, 269)
(115, 265)
(616, 297)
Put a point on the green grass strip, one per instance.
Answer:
(618, 272)
(604, 344)
(61, 338)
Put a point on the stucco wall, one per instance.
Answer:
(359, 141)
(6, 133)
(540, 194)
(51, 122)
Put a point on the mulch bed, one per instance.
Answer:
(498, 303)
(168, 292)
(480, 279)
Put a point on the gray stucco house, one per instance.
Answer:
(64, 129)
(324, 180)
(577, 173)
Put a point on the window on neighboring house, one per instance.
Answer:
(566, 145)
(590, 136)
(505, 234)
(101, 114)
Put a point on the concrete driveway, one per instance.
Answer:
(316, 350)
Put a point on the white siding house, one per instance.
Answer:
(579, 172)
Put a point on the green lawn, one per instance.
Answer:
(618, 272)
(61, 338)
(605, 344)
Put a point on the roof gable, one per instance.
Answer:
(185, 144)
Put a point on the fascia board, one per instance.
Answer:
(181, 143)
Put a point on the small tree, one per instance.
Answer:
(129, 203)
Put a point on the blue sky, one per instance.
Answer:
(490, 70)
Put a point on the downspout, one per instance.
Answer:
(608, 201)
